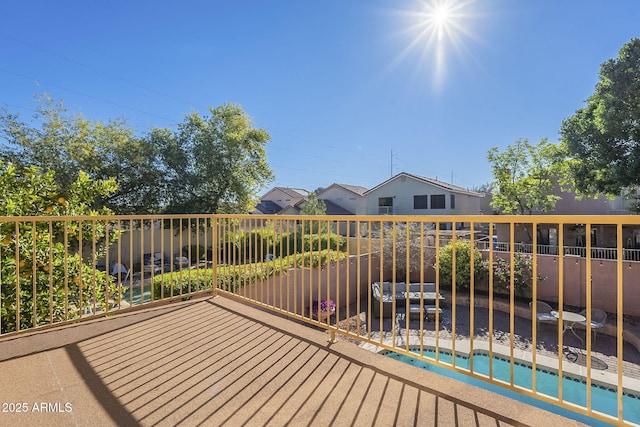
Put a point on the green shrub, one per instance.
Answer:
(522, 277)
(316, 259)
(231, 277)
(321, 242)
(254, 245)
(463, 250)
(194, 252)
(182, 282)
(250, 246)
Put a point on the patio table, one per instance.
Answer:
(426, 296)
(569, 319)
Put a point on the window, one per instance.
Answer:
(437, 201)
(420, 202)
(453, 202)
(543, 236)
(385, 205)
(549, 236)
(385, 201)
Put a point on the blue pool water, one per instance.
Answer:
(135, 296)
(602, 399)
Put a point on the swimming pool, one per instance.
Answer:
(134, 293)
(603, 399)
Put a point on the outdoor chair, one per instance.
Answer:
(598, 320)
(153, 262)
(544, 312)
(121, 273)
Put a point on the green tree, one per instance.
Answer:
(313, 206)
(603, 138)
(52, 264)
(55, 140)
(526, 176)
(214, 164)
(487, 187)
(403, 242)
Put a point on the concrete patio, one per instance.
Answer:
(214, 361)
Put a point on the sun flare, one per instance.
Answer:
(440, 19)
(437, 29)
(440, 15)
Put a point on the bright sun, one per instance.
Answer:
(442, 18)
(436, 29)
(440, 15)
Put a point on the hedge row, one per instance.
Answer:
(231, 277)
(255, 245)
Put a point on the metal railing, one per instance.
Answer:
(581, 251)
(385, 210)
(405, 284)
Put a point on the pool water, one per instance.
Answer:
(603, 399)
(135, 296)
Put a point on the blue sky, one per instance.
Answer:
(350, 91)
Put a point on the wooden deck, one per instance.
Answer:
(214, 361)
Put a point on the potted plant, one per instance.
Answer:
(323, 309)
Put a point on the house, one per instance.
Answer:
(601, 235)
(282, 201)
(344, 199)
(409, 194)
(574, 236)
(570, 204)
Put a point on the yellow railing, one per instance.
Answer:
(466, 300)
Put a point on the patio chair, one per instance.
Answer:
(598, 320)
(120, 272)
(544, 312)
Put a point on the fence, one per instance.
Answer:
(402, 284)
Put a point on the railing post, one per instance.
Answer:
(214, 257)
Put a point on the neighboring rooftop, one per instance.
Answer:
(434, 182)
(334, 209)
(356, 189)
(268, 207)
(293, 192)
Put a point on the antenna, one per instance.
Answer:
(392, 156)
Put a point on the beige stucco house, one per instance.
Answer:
(409, 194)
(282, 201)
(575, 236)
(344, 199)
